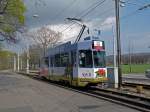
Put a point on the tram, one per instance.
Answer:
(79, 64)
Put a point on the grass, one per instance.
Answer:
(140, 68)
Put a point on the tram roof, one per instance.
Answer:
(66, 47)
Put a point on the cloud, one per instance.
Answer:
(107, 23)
(68, 31)
(109, 20)
(104, 24)
(55, 11)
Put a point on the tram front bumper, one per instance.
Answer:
(86, 81)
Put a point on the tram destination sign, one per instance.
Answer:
(98, 45)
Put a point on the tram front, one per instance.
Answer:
(92, 63)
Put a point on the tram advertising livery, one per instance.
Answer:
(78, 64)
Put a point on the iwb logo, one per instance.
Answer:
(86, 74)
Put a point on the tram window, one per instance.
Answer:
(52, 61)
(99, 58)
(85, 58)
(57, 60)
(64, 59)
(46, 61)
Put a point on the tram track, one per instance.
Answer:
(129, 84)
(134, 82)
(133, 101)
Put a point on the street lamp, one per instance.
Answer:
(35, 15)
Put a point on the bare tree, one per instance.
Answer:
(35, 51)
(45, 37)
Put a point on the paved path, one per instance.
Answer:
(22, 94)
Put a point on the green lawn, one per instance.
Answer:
(140, 68)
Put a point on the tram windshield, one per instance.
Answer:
(99, 59)
(85, 59)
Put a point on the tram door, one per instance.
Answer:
(52, 66)
(74, 65)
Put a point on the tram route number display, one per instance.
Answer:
(86, 74)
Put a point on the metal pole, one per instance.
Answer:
(18, 62)
(14, 63)
(118, 43)
(114, 46)
(115, 64)
(27, 59)
(21, 63)
(130, 56)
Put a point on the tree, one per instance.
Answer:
(6, 58)
(0, 46)
(46, 37)
(34, 51)
(11, 18)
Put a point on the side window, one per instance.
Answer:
(46, 61)
(64, 59)
(85, 58)
(52, 61)
(57, 60)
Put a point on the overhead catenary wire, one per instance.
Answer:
(130, 14)
(91, 6)
(84, 13)
(63, 10)
(122, 18)
(66, 8)
(101, 14)
(136, 11)
(92, 9)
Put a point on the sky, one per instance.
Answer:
(135, 28)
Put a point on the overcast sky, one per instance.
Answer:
(135, 27)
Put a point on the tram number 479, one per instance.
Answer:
(86, 74)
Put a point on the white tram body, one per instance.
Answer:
(78, 64)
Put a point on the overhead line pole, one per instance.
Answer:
(117, 4)
(118, 43)
(18, 60)
(27, 61)
(14, 63)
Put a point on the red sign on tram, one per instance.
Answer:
(98, 45)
